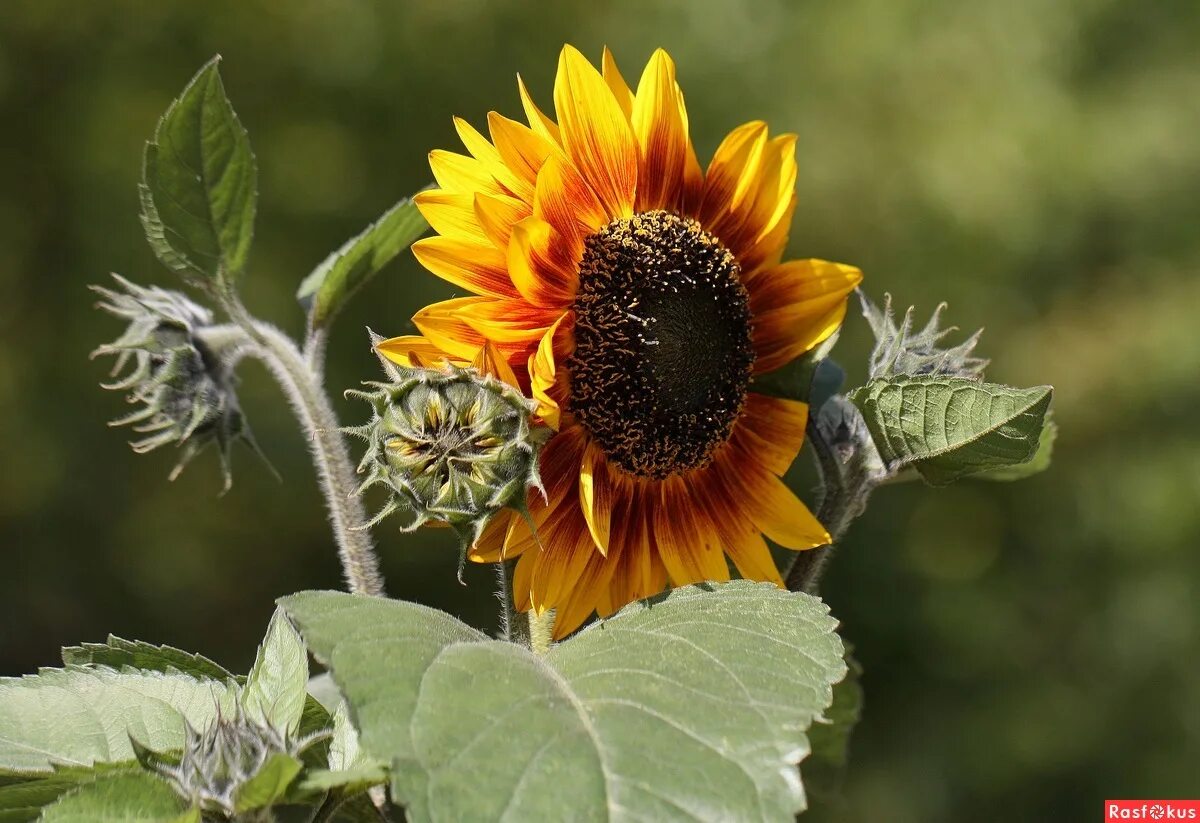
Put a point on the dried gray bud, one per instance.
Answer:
(900, 350)
(178, 370)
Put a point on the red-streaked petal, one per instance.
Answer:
(661, 129)
(477, 267)
(772, 429)
(795, 306)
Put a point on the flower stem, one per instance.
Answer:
(512, 627)
(335, 471)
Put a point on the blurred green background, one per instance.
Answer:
(1030, 649)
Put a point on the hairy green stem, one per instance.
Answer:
(541, 630)
(335, 470)
(512, 627)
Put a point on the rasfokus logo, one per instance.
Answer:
(1115, 810)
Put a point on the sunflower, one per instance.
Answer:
(636, 298)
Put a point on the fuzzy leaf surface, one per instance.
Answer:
(200, 185)
(270, 784)
(129, 797)
(327, 288)
(276, 689)
(117, 653)
(1039, 463)
(689, 706)
(83, 716)
(951, 427)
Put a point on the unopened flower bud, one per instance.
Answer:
(172, 368)
(901, 350)
(451, 445)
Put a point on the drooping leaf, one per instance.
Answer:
(199, 185)
(688, 706)
(1039, 463)
(117, 653)
(351, 780)
(82, 716)
(952, 427)
(269, 784)
(275, 692)
(129, 797)
(327, 288)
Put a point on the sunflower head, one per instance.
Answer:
(451, 445)
(637, 297)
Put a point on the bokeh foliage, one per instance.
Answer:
(1028, 649)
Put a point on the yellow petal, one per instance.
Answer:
(770, 504)
(459, 173)
(543, 376)
(662, 135)
(451, 214)
(533, 268)
(442, 327)
(772, 429)
(497, 214)
(522, 149)
(490, 361)
(565, 201)
(538, 121)
(412, 351)
(475, 266)
(795, 306)
(595, 133)
(597, 496)
(616, 83)
(731, 174)
(489, 157)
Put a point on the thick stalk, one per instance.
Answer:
(335, 471)
(512, 627)
(541, 630)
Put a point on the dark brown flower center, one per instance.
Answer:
(662, 343)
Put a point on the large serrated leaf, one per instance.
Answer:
(117, 653)
(275, 691)
(951, 427)
(327, 288)
(199, 184)
(132, 797)
(82, 716)
(689, 706)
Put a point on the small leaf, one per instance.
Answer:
(24, 800)
(106, 708)
(199, 185)
(688, 706)
(797, 380)
(275, 692)
(130, 797)
(348, 781)
(117, 653)
(360, 258)
(952, 427)
(825, 769)
(1039, 463)
(344, 752)
(270, 784)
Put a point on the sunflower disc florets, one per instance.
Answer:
(224, 757)
(177, 370)
(452, 446)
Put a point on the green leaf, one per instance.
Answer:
(344, 751)
(269, 784)
(825, 769)
(805, 376)
(349, 781)
(360, 258)
(952, 427)
(117, 653)
(131, 797)
(1039, 463)
(199, 185)
(275, 692)
(24, 800)
(105, 708)
(690, 705)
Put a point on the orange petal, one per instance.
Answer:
(491, 362)
(616, 83)
(477, 267)
(489, 156)
(739, 537)
(538, 121)
(795, 306)
(662, 134)
(770, 198)
(459, 173)
(544, 376)
(522, 149)
(770, 504)
(511, 323)
(497, 214)
(451, 214)
(567, 549)
(412, 351)
(772, 429)
(565, 200)
(595, 133)
(685, 544)
(488, 547)
(443, 328)
(536, 267)
(731, 174)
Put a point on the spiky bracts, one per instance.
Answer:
(178, 371)
(452, 445)
(900, 350)
(218, 761)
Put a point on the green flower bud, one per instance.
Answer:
(218, 761)
(178, 370)
(451, 445)
(901, 350)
